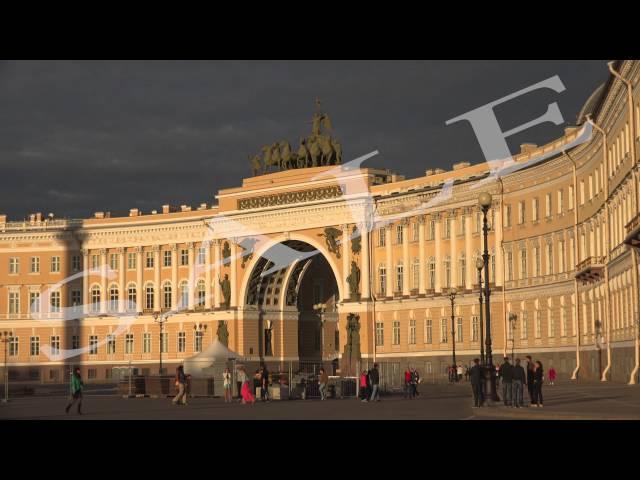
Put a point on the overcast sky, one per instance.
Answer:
(85, 136)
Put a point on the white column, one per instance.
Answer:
(175, 293)
(344, 247)
(405, 258)
(207, 273)
(85, 281)
(498, 246)
(438, 234)
(192, 282)
(468, 245)
(453, 251)
(140, 293)
(216, 272)
(389, 260)
(233, 266)
(422, 289)
(105, 294)
(122, 287)
(156, 278)
(364, 242)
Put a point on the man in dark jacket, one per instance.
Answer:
(374, 377)
(530, 369)
(475, 376)
(264, 384)
(519, 379)
(506, 373)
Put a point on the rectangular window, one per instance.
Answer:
(524, 325)
(182, 342)
(113, 261)
(34, 302)
(535, 210)
(35, 346)
(13, 346)
(509, 265)
(379, 334)
(538, 324)
(507, 216)
(571, 198)
(536, 254)
(184, 257)
(443, 330)
(581, 192)
(35, 265)
(475, 329)
(55, 302)
(111, 344)
(131, 261)
(548, 205)
(396, 333)
(93, 344)
(149, 260)
(382, 276)
(146, 342)
(415, 273)
(523, 264)
(55, 264)
(432, 273)
(75, 263)
(459, 336)
(428, 331)
(92, 373)
(416, 231)
(197, 341)
(14, 265)
(166, 255)
(95, 262)
(202, 252)
(399, 278)
(412, 332)
(561, 257)
(75, 342)
(447, 228)
(14, 302)
(432, 230)
(399, 234)
(560, 201)
(55, 345)
(128, 343)
(76, 298)
(521, 213)
(382, 237)
(549, 259)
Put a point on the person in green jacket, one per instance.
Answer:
(76, 389)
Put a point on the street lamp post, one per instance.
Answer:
(479, 265)
(513, 319)
(484, 200)
(161, 320)
(452, 296)
(6, 337)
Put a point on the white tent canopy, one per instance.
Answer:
(215, 354)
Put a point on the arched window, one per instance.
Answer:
(132, 297)
(149, 296)
(184, 294)
(95, 299)
(202, 292)
(114, 295)
(167, 294)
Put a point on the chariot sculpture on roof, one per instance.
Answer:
(317, 150)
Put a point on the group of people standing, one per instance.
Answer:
(513, 378)
(411, 381)
(370, 385)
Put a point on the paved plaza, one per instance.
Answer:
(437, 402)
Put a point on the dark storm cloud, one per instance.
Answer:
(77, 137)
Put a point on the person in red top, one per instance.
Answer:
(364, 386)
(407, 383)
(552, 375)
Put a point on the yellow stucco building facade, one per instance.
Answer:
(274, 262)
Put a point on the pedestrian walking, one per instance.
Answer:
(181, 383)
(407, 383)
(497, 373)
(364, 386)
(530, 382)
(226, 385)
(245, 391)
(324, 382)
(519, 380)
(76, 391)
(538, 379)
(466, 373)
(264, 384)
(416, 376)
(506, 373)
(475, 376)
(187, 389)
(374, 378)
(552, 375)
(459, 372)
